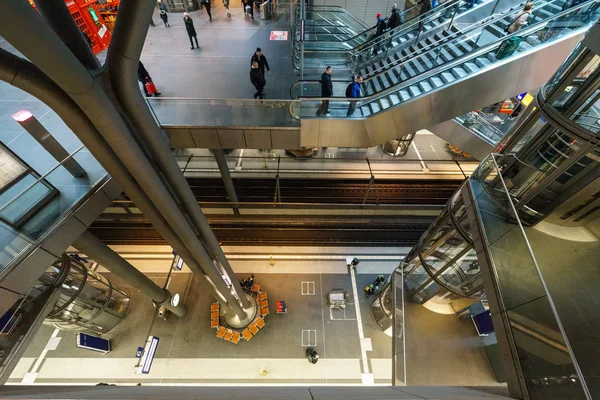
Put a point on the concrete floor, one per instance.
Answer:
(189, 352)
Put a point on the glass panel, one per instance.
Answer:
(398, 346)
(540, 344)
(27, 204)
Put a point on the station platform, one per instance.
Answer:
(440, 349)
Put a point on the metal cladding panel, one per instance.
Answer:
(258, 138)
(232, 138)
(179, 137)
(206, 138)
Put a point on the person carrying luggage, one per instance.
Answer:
(511, 45)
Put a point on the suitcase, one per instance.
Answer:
(150, 88)
(508, 47)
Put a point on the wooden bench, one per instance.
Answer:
(214, 307)
(214, 323)
(259, 322)
(264, 303)
(256, 288)
(221, 332)
(262, 296)
(246, 334)
(228, 335)
(236, 337)
(264, 311)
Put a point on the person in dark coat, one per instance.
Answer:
(260, 58)
(425, 7)
(143, 75)
(189, 27)
(326, 91)
(248, 8)
(258, 80)
(206, 4)
(353, 92)
(395, 18)
(165, 17)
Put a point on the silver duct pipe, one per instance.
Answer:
(24, 29)
(60, 20)
(226, 177)
(105, 256)
(27, 77)
(123, 58)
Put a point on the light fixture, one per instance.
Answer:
(175, 300)
(22, 115)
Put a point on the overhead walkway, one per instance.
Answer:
(436, 94)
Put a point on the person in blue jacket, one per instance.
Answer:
(353, 92)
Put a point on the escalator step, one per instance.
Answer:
(384, 104)
(374, 107)
(414, 91)
(436, 82)
(482, 62)
(425, 86)
(454, 50)
(405, 95)
(384, 81)
(391, 77)
(418, 65)
(365, 110)
(446, 56)
(458, 72)
(426, 61)
(377, 85)
(394, 98)
(447, 77)
(470, 67)
(409, 70)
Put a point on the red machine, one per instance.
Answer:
(88, 19)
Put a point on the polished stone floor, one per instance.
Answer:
(190, 353)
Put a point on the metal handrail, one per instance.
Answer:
(336, 9)
(403, 26)
(459, 60)
(375, 26)
(495, 131)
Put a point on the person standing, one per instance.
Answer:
(189, 27)
(396, 19)
(326, 91)
(144, 77)
(425, 8)
(353, 92)
(260, 58)
(165, 17)
(206, 4)
(521, 19)
(257, 79)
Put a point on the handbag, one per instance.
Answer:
(514, 20)
(150, 87)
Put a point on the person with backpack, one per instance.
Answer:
(326, 91)
(165, 17)
(521, 19)
(257, 79)
(353, 92)
(396, 19)
(189, 27)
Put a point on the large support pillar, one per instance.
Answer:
(48, 142)
(105, 256)
(58, 16)
(227, 181)
(124, 54)
(25, 30)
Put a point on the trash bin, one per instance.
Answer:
(265, 10)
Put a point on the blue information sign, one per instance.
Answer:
(95, 343)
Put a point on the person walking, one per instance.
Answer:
(396, 19)
(257, 79)
(226, 5)
(521, 19)
(165, 17)
(425, 8)
(189, 27)
(312, 355)
(260, 58)
(353, 92)
(326, 91)
(206, 4)
(248, 9)
(144, 78)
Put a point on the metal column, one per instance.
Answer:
(227, 181)
(105, 256)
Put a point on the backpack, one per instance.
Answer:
(386, 24)
(349, 90)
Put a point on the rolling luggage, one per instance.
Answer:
(508, 47)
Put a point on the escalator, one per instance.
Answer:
(438, 83)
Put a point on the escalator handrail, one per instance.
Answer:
(374, 27)
(382, 70)
(335, 9)
(417, 78)
(407, 25)
(459, 35)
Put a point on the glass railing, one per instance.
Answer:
(541, 343)
(222, 112)
(314, 162)
(33, 202)
(564, 24)
(481, 127)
